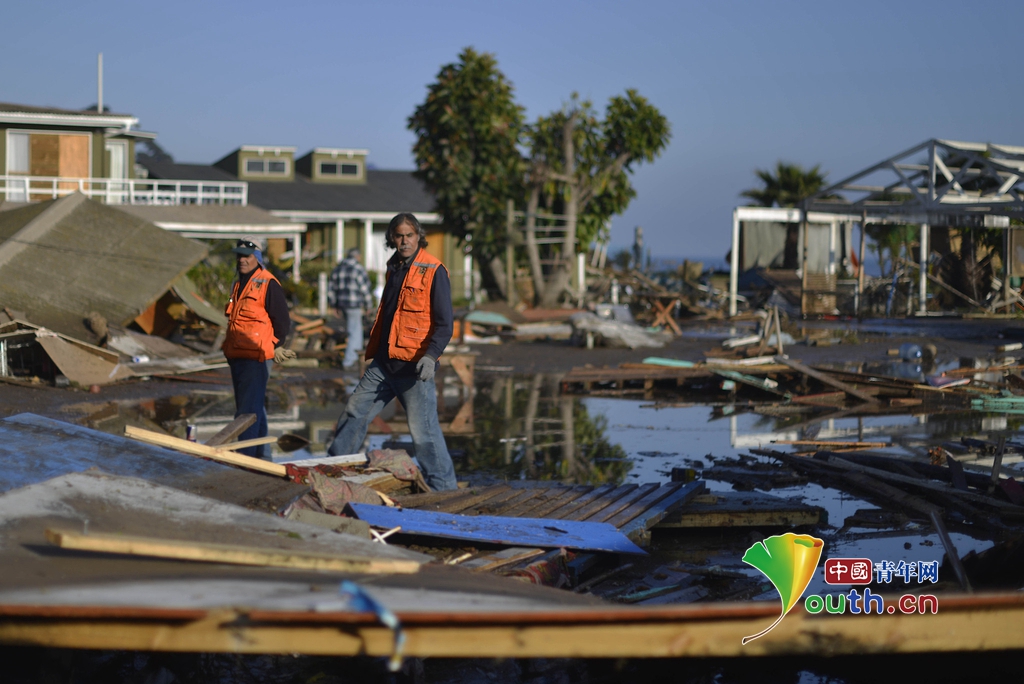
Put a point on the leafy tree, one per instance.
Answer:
(468, 131)
(580, 167)
(787, 186)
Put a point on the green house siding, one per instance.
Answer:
(309, 165)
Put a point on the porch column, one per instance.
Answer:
(339, 241)
(922, 286)
(734, 263)
(832, 248)
(367, 239)
(297, 259)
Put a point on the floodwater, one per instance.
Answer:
(510, 426)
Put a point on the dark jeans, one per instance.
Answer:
(375, 390)
(250, 382)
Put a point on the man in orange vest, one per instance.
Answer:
(257, 325)
(413, 326)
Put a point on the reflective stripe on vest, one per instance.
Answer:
(413, 322)
(250, 333)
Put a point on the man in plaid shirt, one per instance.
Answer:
(348, 292)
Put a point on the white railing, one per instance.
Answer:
(126, 191)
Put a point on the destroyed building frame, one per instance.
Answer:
(984, 188)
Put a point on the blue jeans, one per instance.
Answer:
(249, 379)
(374, 391)
(354, 343)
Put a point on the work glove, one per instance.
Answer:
(425, 368)
(281, 355)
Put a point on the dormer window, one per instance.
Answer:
(270, 167)
(351, 170)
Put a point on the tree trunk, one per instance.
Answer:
(532, 250)
(561, 272)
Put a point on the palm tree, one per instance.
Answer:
(788, 186)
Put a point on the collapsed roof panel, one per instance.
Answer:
(76, 256)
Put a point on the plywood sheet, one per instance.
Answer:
(34, 449)
(80, 366)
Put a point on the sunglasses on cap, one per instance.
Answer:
(247, 244)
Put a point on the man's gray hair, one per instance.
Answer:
(353, 253)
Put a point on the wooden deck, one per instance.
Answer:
(632, 508)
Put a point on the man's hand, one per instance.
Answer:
(281, 355)
(425, 368)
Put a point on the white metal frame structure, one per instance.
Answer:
(937, 182)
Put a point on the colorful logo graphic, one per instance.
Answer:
(788, 561)
(848, 571)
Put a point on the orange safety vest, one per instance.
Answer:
(413, 322)
(250, 333)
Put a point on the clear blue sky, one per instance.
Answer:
(743, 83)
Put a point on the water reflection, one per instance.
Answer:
(525, 428)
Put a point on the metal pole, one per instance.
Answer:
(860, 268)
(922, 276)
(803, 260)
(1006, 270)
(734, 262)
(99, 84)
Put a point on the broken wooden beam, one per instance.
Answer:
(232, 430)
(825, 378)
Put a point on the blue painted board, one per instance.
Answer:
(495, 529)
(35, 449)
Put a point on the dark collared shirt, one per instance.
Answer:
(440, 313)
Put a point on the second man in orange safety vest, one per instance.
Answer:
(413, 326)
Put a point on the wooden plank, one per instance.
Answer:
(638, 494)
(600, 503)
(224, 553)
(543, 496)
(639, 528)
(488, 507)
(926, 485)
(571, 507)
(232, 430)
(195, 449)
(499, 559)
(563, 499)
(539, 532)
(742, 509)
(825, 378)
(517, 501)
(467, 499)
(641, 504)
(245, 444)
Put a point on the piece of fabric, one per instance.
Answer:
(397, 462)
(354, 340)
(349, 286)
(249, 379)
(374, 391)
(330, 491)
(415, 314)
(250, 333)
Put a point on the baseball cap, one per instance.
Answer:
(248, 244)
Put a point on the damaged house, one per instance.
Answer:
(74, 274)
